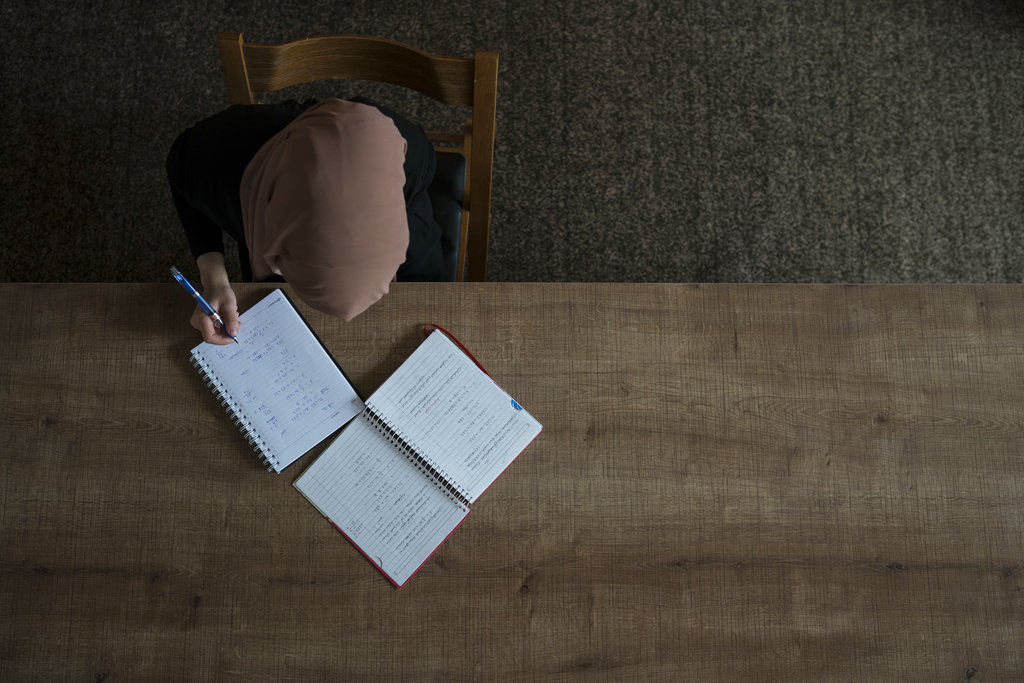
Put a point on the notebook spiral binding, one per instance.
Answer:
(235, 413)
(397, 439)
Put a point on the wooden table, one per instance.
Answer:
(733, 482)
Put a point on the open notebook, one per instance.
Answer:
(400, 478)
(278, 383)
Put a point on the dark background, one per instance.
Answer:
(755, 140)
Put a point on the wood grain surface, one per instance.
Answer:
(733, 482)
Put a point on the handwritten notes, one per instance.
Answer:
(454, 415)
(279, 382)
(437, 424)
(380, 500)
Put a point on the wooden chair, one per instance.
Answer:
(465, 158)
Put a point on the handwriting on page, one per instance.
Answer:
(454, 415)
(291, 386)
(380, 500)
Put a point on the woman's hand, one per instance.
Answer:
(223, 301)
(218, 293)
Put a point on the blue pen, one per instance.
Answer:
(203, 304)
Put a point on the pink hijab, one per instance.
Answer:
(322, 205)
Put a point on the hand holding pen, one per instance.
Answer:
(206, 318)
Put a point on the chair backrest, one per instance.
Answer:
(251, 68)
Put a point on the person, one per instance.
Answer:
(330, 196)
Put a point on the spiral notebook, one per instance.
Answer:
(400, 478)
(279, 384)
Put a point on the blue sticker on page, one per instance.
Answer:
(515, 405)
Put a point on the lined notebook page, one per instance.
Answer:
(454, 415)
(394, 514)
(281, 380)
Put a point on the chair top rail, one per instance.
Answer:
(273, 67)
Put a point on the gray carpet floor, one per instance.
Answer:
(693, 140)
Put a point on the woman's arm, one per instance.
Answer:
(204, 170)
(217, 291)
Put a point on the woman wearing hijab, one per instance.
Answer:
(331, 196)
